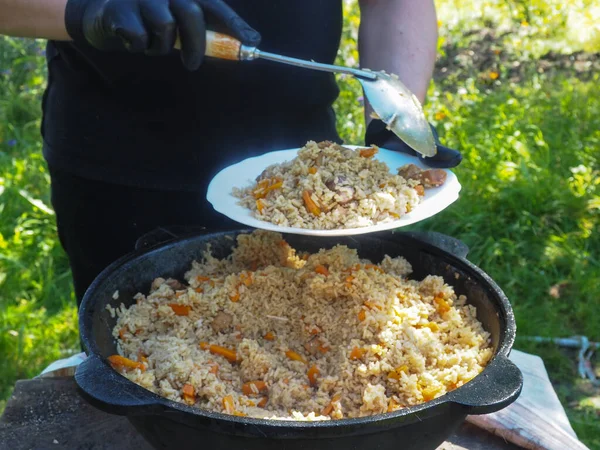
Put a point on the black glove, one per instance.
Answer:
(377, 134)
(151, 26)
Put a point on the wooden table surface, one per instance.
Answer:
(49, 413)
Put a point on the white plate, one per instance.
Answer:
(245, 172)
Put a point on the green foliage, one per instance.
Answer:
(541, 25)
(530, 199)
(38, 322)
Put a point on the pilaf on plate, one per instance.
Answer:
(328, 186)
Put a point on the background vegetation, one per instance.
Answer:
(516, 89)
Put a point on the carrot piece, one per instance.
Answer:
(368, 152)
(321, 269)
(312, 170)
(260, 205)
(442, 305)
(269, 336)
(180, 310)
(432, 326)
(393, 405)
(429, 393)
(259, 191)
(327, 410)
(214, 369)
(372, 305)
(235, 297)
(420, 190)
(263, 402)
(142, 357)
(311, 206)
(246, 278)
(199, 290)
(254, 388)
(276, 185)
(229, 355)
(122, 332)
(262, 184)
(396, 374)
(189, 394)
(266, 186)
(323, 349)
(357, 353)
(313, 373)
(120, 362)
(228, 404)
(291, 354)
(202, 279)
(239, 414)
(362, 315)
(374, 267)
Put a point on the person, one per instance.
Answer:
(134, 129)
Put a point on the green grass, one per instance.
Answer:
(529, 205)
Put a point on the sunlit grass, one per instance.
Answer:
(528, 210)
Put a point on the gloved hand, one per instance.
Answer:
(151, 26)
(377, 134)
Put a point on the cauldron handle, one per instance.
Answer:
(447, 243)
(108, 390)
(498, 386)
(163, 234)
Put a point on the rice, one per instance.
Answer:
(273, 333)
(328, 186)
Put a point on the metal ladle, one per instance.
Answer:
(390, 99)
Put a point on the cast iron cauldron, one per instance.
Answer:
(167, 424)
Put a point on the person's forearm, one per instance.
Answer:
(44, 19)
(399, 36)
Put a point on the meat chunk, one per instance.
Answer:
(428, 178)
(324, 144)
(158, 282)
(410, 172)
(221, 322)
(176, 285)
(433, 177)
(313, 345)
(337, 184)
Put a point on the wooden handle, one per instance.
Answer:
(219, 45)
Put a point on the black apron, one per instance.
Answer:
(147, 122)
